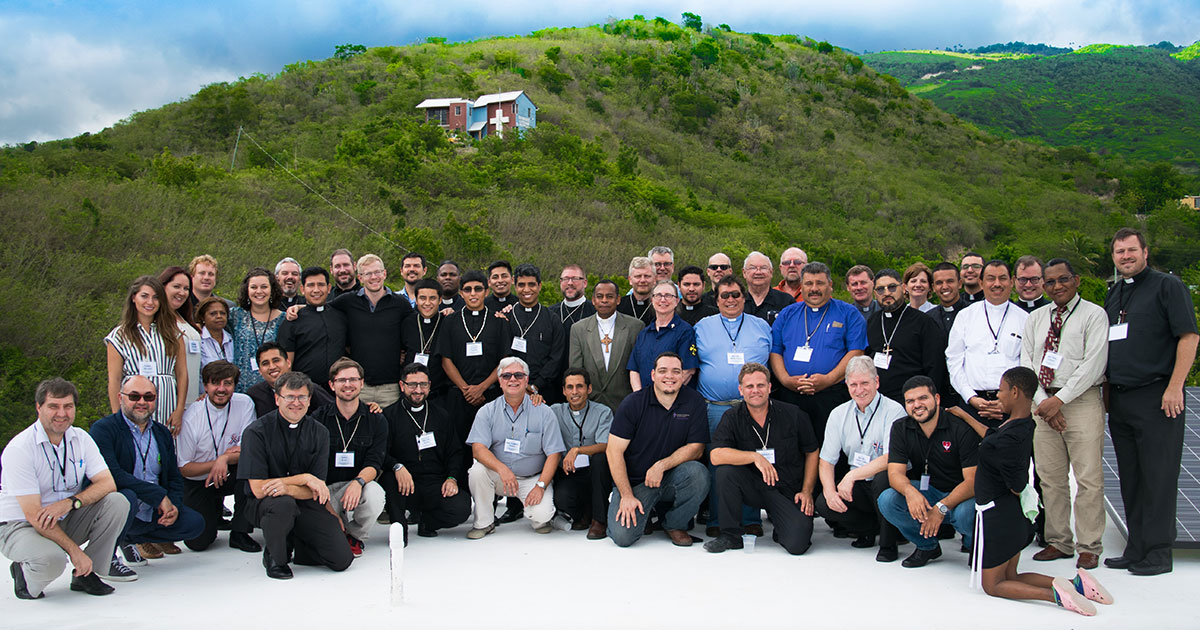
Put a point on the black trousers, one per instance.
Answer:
(583, 494)
(1149, 447)
(437, 512)
(818, 405)
(738, 485)
(210, 502)
(862, 515)
(306, 526)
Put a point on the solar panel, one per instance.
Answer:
(1187, 511)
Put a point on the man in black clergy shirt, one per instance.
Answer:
(636, 303)
(423, 459)
(317, 337)
(574, 305)
(284, 459)
(341, 263)
(1151, 346)
(500, 283)
(947, 284)
(901, 340)
(971, 269)
(537, 334)
(272, 363)
(449, 275)
(1028, 278)
(471, 345)
(420, 334)
(373, 318)
(692, 307)
(762, 300)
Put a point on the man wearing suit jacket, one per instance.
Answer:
(141, 456)
(601, 345)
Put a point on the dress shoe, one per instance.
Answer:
(90, 584)
(544, 528)
(723, 542)
(149, 551)
(598, 531)
(1051, 553)
(511, 516)
(863, 542)
(243, 541)
(921, 557)
(479, 532)
(224, 525)
(1119, 562)
(169, 548)
(755, 529)
(1149, 568)
(276, 571)
(1087, 560)
(680, 538)
(712, 531)
(19, 586)
(579, 525)
(841, 532)
(424, 530)
(886, 554)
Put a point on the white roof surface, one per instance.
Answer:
(477, 126)
(440, 102)
(562, 580)
(502, 97)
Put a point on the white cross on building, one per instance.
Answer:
(498, 120)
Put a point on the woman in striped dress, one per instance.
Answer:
(253, 322)
(147, 342)
(178, 286)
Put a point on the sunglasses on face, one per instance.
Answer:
(509, 376)
(891, 288)
(730, 295)
(472, 289)
(136, 396)
(719, 267)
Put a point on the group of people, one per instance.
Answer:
(324, 400)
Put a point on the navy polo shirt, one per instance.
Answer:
(655, 432)
(831, 331)
(677, 337)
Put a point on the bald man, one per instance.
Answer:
(791, 261)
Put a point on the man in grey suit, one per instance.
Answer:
(600, 345)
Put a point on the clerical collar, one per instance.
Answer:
(689, 307)
(576, 302)
(475, 313)
(292, 426)
(887, 314)
(447, 300)
(321, 308)
(1029, 303)
(605, 320)
(422, 406)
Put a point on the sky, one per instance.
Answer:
(69, 67)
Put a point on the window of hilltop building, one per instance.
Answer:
(441, 114)
(458, 110)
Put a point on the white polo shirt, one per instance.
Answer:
(868, 432)
(33, 465)
(205, 427)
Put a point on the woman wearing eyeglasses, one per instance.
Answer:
(254, 321)
(147, 342)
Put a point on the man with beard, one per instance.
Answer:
(948, 287)
(273, 362)
(860, 281)
(500, 282)
(448, 276)
(575, 305)
(424, 455)
(901, 341)
(341, 263)
(931, 470)
(791, 261)
(287, 274)
(412, 269)
(692, 307)
(582, 483)
(601, 346)
(1029, 283)
(762, 301)
(210, 445)
(357, 443)
(972, 267)
(317, 337)
(636, 303)
(420, 334)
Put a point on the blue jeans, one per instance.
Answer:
(894, 508)
(188, 525)
(684, 487)
(750, 516)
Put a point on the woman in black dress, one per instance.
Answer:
(1002, 530)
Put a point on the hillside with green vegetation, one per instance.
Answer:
(1142, 102)
(648, 133)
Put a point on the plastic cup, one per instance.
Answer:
(748, 541)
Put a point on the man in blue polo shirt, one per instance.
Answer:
(724, 343)
(656, 437)
(667, 333)
(811, 343)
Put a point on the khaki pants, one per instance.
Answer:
(486, 485)
(382, 395)
(359, 520)
(1078, 448)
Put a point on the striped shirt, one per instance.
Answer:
(154, 364)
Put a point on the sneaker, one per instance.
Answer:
(723, 542)
(118, 572)
(132, 557)
(544, 528)
(356, 546)
(479, 532)
(921, 557)
(1066, 596)
(1090, 588)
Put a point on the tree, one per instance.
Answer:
(1146, 188)
(348, 51)
(692, 21)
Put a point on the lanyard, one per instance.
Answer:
(562, 306)
(809, 335)
(633, 307)
(1058, 331)
(421, 333)
(463, 314)
(525, 330)
(338, 421)
(767, 425)
(997, 330)
(587, 406)
(862, 431)
(54, 464)
(887, 339)
(424, 421)
(928, 447)
(254, 326)
(136, 447)
(734, 337)
(213, 434)
(220, 347)
(513, 419)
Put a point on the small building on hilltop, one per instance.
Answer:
(1191, 201)
(486, 115)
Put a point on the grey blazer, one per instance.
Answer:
(609, 386)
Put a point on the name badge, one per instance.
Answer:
(193, 346)
(860, 460)
(512, 446)
(519, 344)
(147, 368)
(882, 360)
(254, 367)
(736, 358)
(1052, 360)
(924, 482)
(803, 354)
(582, 461)
(767, 453)
(475, 349)
(425, 440)
(421, 358)
(343, 460)
(1117, 332)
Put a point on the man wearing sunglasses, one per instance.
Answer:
(517, 446)
(901, 340)
(718, 267)
(791, 262)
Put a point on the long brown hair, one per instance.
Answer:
(164, 318)
(276, 299)
(185, 311)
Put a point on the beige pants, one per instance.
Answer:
(359, 520)
(1078, 448)
(486, 485)
(382, 395)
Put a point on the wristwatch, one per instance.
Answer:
(541, 484)
(76, 503)
(942, 508)
(361, 482)
(397, 467)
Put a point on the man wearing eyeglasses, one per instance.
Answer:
(971, 268)
(141, 456)
(663, 259)
(1029, 284)
(517, 447)
(357, 443)
(575, 305)
(791, 262)
(761, 300)
(667, 333)
(901, 341)
(285, 459)
(718, 267)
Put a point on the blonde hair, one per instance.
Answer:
(367, 259)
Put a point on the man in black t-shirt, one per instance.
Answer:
(374, 314)
(272, 363)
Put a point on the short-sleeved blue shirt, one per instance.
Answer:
(832, 330)
(677, 337)
(716, 337)
(655, 432)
